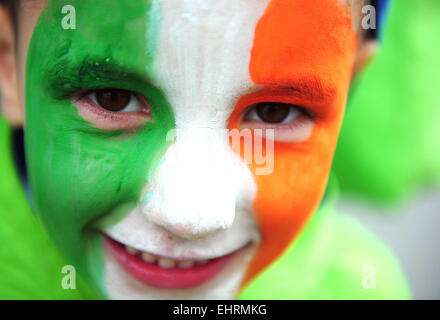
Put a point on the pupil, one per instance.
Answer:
(273, 112)
(113, 100)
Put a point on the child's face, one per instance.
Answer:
(108, 170)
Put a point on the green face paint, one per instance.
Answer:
(82, 176)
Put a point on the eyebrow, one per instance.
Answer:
(309, 88)
(66, 76)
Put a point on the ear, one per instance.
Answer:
(10, 103)
(366, 52)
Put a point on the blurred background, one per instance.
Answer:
(387, 164)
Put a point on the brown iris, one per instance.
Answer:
(272, 112)
(113, 99)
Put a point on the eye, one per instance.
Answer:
(116, 100)
(273, 112)
(288, 122)
(114, 109)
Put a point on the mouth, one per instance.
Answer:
(163, 272)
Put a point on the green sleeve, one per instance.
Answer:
(30, 265)
(334, 258)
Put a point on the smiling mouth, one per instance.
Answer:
(166, 273)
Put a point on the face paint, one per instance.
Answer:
(303, 54)
(79, 173)
(192, 199)
(198, 205)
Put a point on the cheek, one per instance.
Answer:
(291, 193)
(297, 39)
(287, 196)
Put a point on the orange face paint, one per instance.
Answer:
(303, 54)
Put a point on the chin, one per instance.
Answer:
(145, 261)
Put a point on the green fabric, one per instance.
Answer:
(327, 262)
(390, 141)
(30, 266)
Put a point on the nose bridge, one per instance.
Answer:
(194, 190)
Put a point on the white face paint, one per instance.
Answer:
(199, 203)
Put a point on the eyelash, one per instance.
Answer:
(301, 110)
(287, 120)
(294, 128)
(109, 120)
(133, 95)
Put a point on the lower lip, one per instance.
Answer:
(173, 278)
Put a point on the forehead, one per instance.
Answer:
(33, 8)
(215, 16)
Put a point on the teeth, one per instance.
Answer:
(167, 263)
(132, 251)
(148, 257)
(186, 264)
(164, 262)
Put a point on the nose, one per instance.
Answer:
(195, 189)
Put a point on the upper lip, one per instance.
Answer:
(202, 258)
